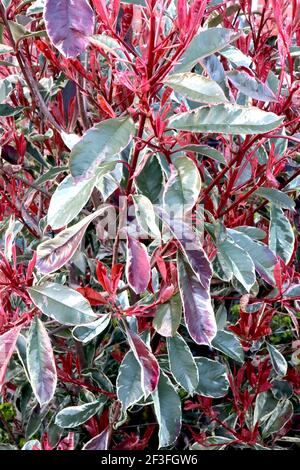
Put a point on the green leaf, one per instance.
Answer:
(68, 200)
(71, 196)
(277, 360)
(196, 87)
(278, 198)
(207, 152)
(281, 235)
(278, 418)
(70, 140)
(50, 174)
(141, 3)
(167, 407)
(168, 316)
(6, 87)
(294, 184)
(86, 333)
(74, 416)
(65, 305)
(213, 380)
(229, 344)
(7, 111)
(150, 179)
(183, 187)
(252, 232)
(108, 44)
(5, 49)
(265, 404)
(263, 258)
(145, 215)
(182, 363)
(239, 262)
(226, 119)
(36, 7)
(129, 389)
(236, 57)
(207, 42)
(41, 362)
(100, 143)
(212, 443)
(250, 86)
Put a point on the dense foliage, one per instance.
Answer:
(149, 218)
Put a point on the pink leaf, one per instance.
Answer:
(100, 442)
(68, 23)
(138, 267)
(198, 312)
(7, 345)
(149, 365)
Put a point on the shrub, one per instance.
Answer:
(149, 181)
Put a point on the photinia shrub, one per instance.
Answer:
(149, 219)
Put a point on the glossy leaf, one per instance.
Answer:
(74, 416)
(7, 346)
(71, 196)
(41, 363)
(236, 56)
(278, 198)
(150, 179)
(183, 187)
(281, 235)
(196, 87)
(213, 380)
(98, 144)
(278, 418)
(229, 344)
(250, 86)
(145, 215)
(182, 364)
(207, 152)
(207, 42)
(226, 119)
(86, 333)
(239, 262)
(167, 409)
(129, 389)
(68, 24)
(148, 363)
(68, 200)
(168, 316)
(65, 305)
(263, 258)
(138, 268)
(54, 253)
(278, 361)
(198, 312)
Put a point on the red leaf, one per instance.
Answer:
(138, 267)
(149, 365)
(102, 277)
(94, 297)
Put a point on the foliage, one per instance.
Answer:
(149, 219)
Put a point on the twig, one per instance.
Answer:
(25, 67)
